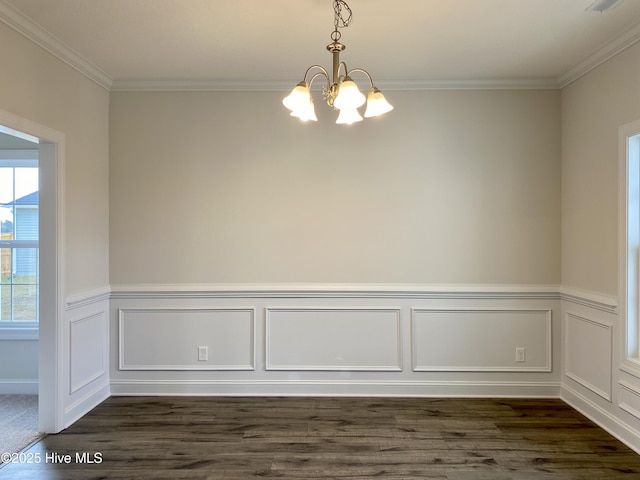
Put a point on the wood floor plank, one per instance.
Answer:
(215, 438)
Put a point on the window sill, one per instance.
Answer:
(19, 333)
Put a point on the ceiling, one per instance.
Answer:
(146, 44)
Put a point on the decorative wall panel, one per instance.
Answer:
(588, 353)
(481, 340)
(333, 339)
(186, 339)
(87, 350)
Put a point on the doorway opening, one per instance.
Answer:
(19, 289)
(33, 290)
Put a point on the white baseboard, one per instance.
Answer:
(602, 418)
(22, 387)
(336, 388)
(85, 404)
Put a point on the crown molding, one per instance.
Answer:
(25, 26)
(159, 85)
(180, 85)
(606, 52)
(533, 83)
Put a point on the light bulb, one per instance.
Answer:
(349, 96)
(376, 104)
(299, 98)
(306, 113)
(348, 116)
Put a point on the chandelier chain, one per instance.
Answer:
(340, 20)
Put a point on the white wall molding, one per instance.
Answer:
(588, 353)
(203, 291)
(606, 52)
(434, 331)
(25, 26)
(86, 402)
(19, 386)
(88, 352)
(595, 300)
(611, 423)
(301, 387)
(86, 346)
(156, 85)
(629, 398)
(177, 333)
(87, 297)
(316, 339)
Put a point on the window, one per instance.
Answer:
(19, 232)
(629, 306)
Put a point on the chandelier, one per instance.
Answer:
(340, 91)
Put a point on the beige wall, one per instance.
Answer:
(593, 108)
(453, 187)
(40, 88)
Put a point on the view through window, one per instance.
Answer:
(19, 200)
(629, 238)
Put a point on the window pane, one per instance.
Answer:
(6, 262)
(26, 182)
(19, 226)
(25, 265)
(6, 222)
(5, 303)
(25, 303)
(6, 185)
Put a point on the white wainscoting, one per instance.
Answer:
(335, 340)
(88, 353)
(593, 364)
(630, 399)
(169, 339)
(588, 353)
(481, 340)
(85, 353)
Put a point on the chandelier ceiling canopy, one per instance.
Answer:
(340, 91)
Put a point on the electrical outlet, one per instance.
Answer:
(521, 354)
(203, 354)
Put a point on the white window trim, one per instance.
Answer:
(629, 246)
(24, 331)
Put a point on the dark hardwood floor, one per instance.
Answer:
(207, 438)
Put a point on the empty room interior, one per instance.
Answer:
(197, 239)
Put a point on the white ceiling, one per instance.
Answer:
(128, 44)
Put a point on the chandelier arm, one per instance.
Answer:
(323, 72)
(320, 74)
(361, 70)
(337, 75)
